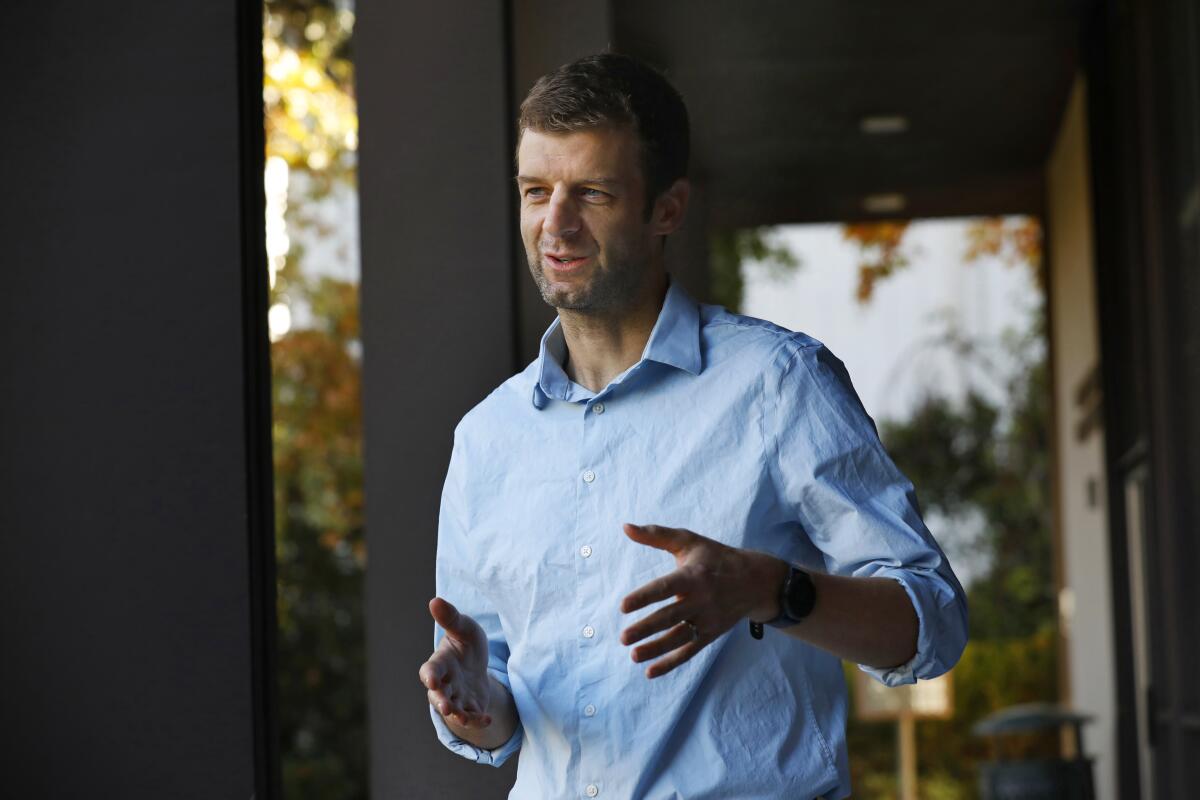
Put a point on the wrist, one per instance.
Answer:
(768, 577)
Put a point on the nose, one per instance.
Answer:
(562, 216)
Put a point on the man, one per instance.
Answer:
(620, 518)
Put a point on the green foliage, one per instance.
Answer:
(990, 459)
(992, 674)
(311, 125)
(320, 551)
(993, 459)
(728, 252)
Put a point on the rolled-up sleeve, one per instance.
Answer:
(856, 507)
(454, 573)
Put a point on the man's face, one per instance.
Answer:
(582, 222)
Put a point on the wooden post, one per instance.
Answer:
(907, 756)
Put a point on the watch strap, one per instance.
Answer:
(785, 618)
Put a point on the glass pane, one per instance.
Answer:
(316, 355)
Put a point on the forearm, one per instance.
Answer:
(504, 720)
(869, 621)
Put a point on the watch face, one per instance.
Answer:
(799, 595)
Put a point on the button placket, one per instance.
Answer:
(589, 604)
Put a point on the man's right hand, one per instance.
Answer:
(456, 677)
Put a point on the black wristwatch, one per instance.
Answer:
(797, 597)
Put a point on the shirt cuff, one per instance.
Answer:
(494, 757)
(925, 664)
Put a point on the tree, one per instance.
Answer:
(730, 249)
(993, 459)
(879, 243)
(311, 127)
(320, 550)
(978, 459)
(308, 89)
(1016, 240)
(987, 459)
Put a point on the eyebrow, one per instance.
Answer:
(602, 181)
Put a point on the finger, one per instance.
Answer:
(444, 705)
(482, 718)
(677, 637)
(432, 673)
(668, 585)
(670, 539)
(439, 670)
(465, 714)
(446, 615)
(674, 658)
(468, 719)
(660, 620)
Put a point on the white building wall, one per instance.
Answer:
(1085, 601)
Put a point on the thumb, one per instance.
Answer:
(449, 617)
(670, 539)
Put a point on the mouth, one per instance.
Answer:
(564, 262)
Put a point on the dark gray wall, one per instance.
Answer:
(545, 35)
(134, 494)
(688, 249)
(438, 334)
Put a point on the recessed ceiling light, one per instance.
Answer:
(888, 203)
(880, 124)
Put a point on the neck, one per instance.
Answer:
(602, 345)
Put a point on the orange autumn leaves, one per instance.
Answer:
(318, 420)
(1015, 240)
(879, 243)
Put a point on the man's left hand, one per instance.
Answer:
(715, 586)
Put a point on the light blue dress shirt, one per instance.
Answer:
(731, 427)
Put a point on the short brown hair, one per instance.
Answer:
(613, 89)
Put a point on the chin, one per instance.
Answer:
(572, 293)
(567, 299)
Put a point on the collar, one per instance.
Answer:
(674, 341)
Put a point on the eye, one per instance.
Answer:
(594, 194)
(535, 191)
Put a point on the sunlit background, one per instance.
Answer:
(316, 357)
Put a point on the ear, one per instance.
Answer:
(670, 208)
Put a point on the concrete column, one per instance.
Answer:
(545, 35)
(687, 248)
(437, 231)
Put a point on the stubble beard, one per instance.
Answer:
(610, 289)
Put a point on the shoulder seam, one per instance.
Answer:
(769, 329)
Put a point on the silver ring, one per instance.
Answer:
(695, 630)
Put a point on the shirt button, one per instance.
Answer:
(589, 476)
(598, 408)
(585, 551)
(589, 710)
(592, 790)
(588, 631)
